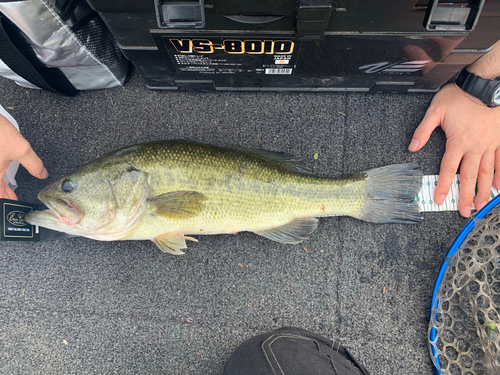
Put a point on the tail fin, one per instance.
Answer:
(391, 193)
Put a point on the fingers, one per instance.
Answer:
(468, 176)
(6, 191)
(496, 178)
(30, 160)
(484, 180)
(21, 152)
(471, 130)
(449, 166)
(474, 167)
(431, 121)
(13, 146)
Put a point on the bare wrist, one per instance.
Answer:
(467, 95)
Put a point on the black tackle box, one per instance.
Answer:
(301, 45)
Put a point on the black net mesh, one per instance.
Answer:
(466, 318)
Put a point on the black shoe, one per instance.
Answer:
(292, 351)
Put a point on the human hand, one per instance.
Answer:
(473, 141)
(13, 146)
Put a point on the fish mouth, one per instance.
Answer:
(65, 211)
(44, 218)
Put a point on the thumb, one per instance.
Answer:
(423, 132)
(33, 164)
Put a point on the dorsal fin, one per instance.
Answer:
(291, 162)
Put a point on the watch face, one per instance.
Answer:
(496, 96)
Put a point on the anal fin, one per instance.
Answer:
(292, 233)
(170, 244)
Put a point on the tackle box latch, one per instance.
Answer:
(453, 15)
(180, 14)
(313, 17)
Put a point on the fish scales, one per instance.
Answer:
(244, 192)
(167, 189)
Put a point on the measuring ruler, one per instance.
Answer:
(425, 197)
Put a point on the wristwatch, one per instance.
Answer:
(486, 90)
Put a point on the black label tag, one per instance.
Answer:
(14, 227)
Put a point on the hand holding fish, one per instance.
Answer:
(473, 141)
(473, 137)
(13, 147)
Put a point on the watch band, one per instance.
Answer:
(478, 87)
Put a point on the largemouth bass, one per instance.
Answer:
(168, 190)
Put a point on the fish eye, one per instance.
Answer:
(68, 185)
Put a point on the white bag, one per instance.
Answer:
(61, 45)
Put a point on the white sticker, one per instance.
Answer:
(276, 62)
(279, 71)
(425, 197)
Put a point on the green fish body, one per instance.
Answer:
(168, 190)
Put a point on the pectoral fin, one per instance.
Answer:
(178, 204)
(170, 244)
(291, 233)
